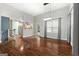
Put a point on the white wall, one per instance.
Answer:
(75, 29)
(62, 12)
(15, 14)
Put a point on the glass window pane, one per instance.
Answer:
(55, 23)
(49, 24)
(52, 26)
(55, 30)
(49, 30)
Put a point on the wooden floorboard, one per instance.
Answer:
(38, 46)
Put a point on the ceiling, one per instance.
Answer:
(36, 8)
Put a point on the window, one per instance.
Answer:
(52, 26)
(49, 26)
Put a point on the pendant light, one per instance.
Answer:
(50, 17)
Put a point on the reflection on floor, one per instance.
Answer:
(36, 46)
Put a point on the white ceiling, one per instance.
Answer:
(36, 8)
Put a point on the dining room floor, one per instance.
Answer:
(37, 46)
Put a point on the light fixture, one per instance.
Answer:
(45, 4)
(28, 25)
(50, 17)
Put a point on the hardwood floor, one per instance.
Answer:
(36, 46)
